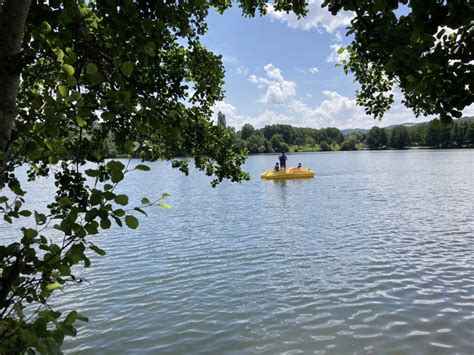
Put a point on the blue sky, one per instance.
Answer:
(282, 70)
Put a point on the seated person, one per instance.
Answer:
(277, 168)
(299, 166)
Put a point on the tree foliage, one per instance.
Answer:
(425, 47)
(221, 120)
(76, 74)
(435, 134)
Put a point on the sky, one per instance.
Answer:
(283, 70)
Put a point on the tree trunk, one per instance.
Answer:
(13, 14)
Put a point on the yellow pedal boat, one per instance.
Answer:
(291, 173)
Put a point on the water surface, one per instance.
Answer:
(376, 254)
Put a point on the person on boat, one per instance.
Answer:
(277, 168)
(283, 158)
(299, 166)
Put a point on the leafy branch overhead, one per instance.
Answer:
(78, 76)
(425, 47)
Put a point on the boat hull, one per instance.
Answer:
(292, 173)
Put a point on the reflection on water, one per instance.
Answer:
(374, 255)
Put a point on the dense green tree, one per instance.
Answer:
(469, 135)
(373, 138)
(238, 144)
(445, 135)
(256, 143)
(276, 142)
(454, 136)
(399, 137)
(324, 146)
(431, 137)
(349, 143)
(383, 139)
(332, 135)
(426, 49)
(299, 137)
(247, 131)
(221, 119)
(310, 141)
(73, 72)
(284, 147)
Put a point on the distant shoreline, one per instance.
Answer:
(124, 156)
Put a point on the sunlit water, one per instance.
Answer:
(374, 255)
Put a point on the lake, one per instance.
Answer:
(374, 255)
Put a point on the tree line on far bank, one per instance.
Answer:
(279, 137)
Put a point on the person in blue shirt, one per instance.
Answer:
(277, 168)
(282, 159)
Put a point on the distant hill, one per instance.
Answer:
(346, 131)
(465, 119)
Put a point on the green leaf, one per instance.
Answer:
(19, 310)
(71, 81)
(45, 27)
(91, 227)
(121, 200)
(30, 233)
(165, 195)
(64, 202)
(165, 205)
(131, 222)
(150, 49)
(40, 218)
(68, 69)
(380, 5)
(142, 167)
(92, 172)
(105, 223)
(64, 270)
(80, 121)
(341, 50)
(127, 68)
(82, 318)
(63, 90)
(53, 286)
(71, 318)
(119, 212)
(118, 221)
(145, 201)
(138, 209)
(98, 250)
(91, 69)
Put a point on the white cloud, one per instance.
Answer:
(316, 18)
(229, 59)
(300, 70)
(279, 90)
(335, 56)
(313, 70)
(234, 119)
(260, 82)
(225, 108)
(468, 111)
(242, 70)
(334, 110)
(273, 72)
